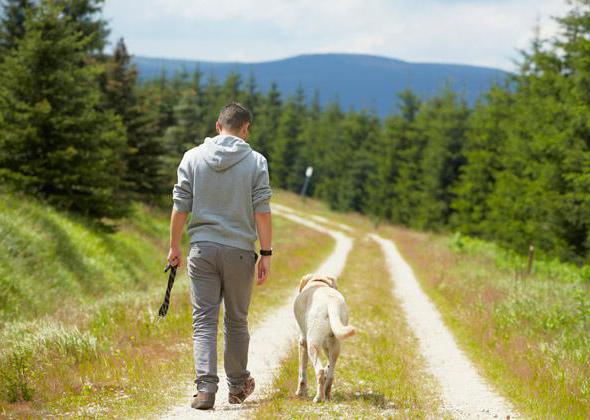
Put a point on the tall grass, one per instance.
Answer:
(51, 260)
(26, 346)
(531, 333)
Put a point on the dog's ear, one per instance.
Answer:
(333, 282)
(304, 280)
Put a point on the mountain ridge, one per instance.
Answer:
(357, 81)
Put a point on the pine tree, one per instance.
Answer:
(213, 101)
(540, 196)
(483, 149)
(575, 43)
(328, 156)
(382, 198)
(231, 90)
(361, 134)
(85, 16)
(441, 124)
(183, 134)
(144, 147)
(286, 147)
(12, 23)
(250, 97)
(54, 139)
(266, 123)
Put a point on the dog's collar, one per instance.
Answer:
(323, 281)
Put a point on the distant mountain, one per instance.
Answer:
(356, 81)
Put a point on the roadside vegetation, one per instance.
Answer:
(79, 332)
(530, 334)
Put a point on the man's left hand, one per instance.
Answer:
(175, 257)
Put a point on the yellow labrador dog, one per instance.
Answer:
(322, 316)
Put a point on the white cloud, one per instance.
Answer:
(467, 31)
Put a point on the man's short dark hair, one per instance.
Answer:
(233, 116)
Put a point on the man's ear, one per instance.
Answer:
(304, 280)
(218, 127)
(245, 131)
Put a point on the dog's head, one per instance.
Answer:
(305, 280)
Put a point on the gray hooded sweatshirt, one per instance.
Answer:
(222, 183)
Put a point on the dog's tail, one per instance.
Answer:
(340, 330)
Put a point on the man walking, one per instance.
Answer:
(224, 185)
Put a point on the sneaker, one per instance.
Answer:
(239, 398)
(203, 400)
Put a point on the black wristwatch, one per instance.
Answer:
(266, 252)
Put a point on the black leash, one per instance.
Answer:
(164, 308)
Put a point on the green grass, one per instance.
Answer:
(379, 373)
(51, 260)
(79, 333)
(530, 334)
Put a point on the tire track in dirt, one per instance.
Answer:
(465, 393)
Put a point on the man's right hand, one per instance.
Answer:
(175, 257)
(263, 270)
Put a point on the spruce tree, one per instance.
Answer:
(540, 196)
(383, 200)
(575, 43)
(441, 124)
(183, 135)
(231, 90)
(356, 156)
(484, 147)
(266, 122)
(55, 140)
(212, 103)
(327, 155)
(12, 23)
(85, 16)
(286, 148)
(250, 97)
(144, 149)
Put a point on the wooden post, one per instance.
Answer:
(529, 267)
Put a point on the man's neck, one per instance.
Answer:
(229, 133)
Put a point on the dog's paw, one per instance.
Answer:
(317, 399)
(301, 392)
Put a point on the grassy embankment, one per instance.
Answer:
(530, 336)
(78, 306)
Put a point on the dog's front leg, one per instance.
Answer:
(302, 385)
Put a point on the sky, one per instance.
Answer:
(477, 32)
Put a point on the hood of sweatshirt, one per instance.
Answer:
(224, 151)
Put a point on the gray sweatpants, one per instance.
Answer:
(219, 272)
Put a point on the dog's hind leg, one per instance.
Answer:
(320, 375)
(302, 385)
(333, 351)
